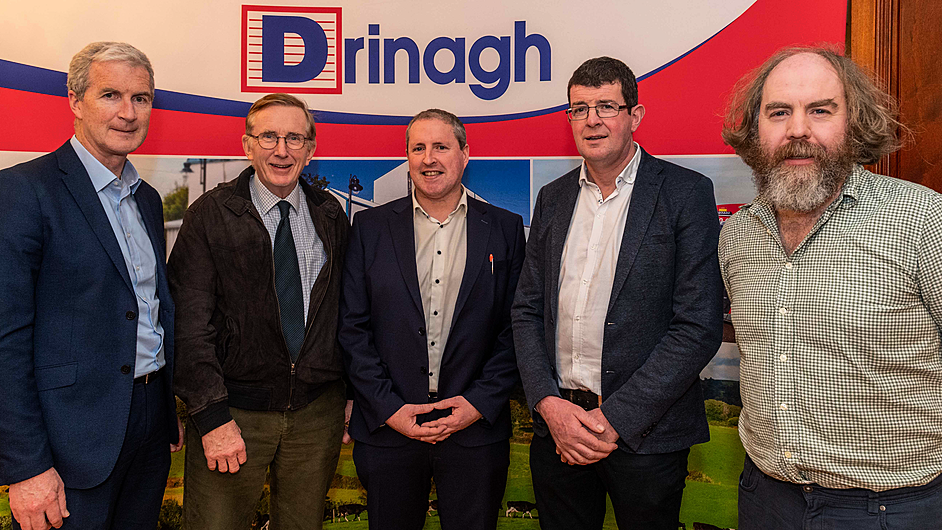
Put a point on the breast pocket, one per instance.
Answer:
(50, 377)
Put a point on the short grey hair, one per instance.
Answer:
(443, 116)
(78, 81)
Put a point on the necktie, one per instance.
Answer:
(288, 284)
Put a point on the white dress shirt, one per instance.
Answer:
(587, 271)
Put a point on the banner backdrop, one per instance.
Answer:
(366, 66)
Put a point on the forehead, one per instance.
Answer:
(590, 94)
(431, 130)
(280, 119)
(803, 78)
(119, 74)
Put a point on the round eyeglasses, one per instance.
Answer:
(269, 140)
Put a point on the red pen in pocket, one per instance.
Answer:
(491, 258)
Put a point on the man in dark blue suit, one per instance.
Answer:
(617, 312)
(425, 327)
(86, 319)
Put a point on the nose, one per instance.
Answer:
(593, 118)
(127, 111)
(281, 147)
(429, 157)
(798, 127)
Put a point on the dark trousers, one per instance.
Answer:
(299, 449)
(130, 498)
(765, 502)
(646, 490)
(470, 483)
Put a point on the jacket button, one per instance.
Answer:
(422, 331)
(130, 315)
(125, 369)
(423, 370)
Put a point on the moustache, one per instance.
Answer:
(799, 149)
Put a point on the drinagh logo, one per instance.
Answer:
(300, 50)
(291, 49)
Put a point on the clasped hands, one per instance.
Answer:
(462, 415)
(582, 437)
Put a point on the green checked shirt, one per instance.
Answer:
(840, 359)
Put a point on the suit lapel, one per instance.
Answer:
(403, 236)
(479, 230)
(80, 186)
(560, 228)
(153, 223)
(643, 200)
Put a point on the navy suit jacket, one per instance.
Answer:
(382, 328)
(664, 320)
(68, 323)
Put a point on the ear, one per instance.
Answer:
(467, 154)
(245, 145)
(310, 154)
(75, 104)
(637, 113)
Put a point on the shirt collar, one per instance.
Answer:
(462, 202)
(268, 200)
(99, 174)
(627, 175)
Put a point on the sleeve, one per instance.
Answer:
(490, 393)
(197, 377)
(930, 262)
(373, 388)
(695, 331)
(24, 444)
(536, 370)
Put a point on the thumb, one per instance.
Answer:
(589, 421)
(62, 508)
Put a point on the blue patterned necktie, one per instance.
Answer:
(288, 284)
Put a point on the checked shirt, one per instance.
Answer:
(840, 360)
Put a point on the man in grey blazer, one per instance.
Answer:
(617, 311)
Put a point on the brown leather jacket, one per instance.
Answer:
(230, 350)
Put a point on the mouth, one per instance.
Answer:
(595, 137)
(432, 173)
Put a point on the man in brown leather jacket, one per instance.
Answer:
(256, 273)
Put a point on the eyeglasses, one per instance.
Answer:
(269, 140)
(603, 110)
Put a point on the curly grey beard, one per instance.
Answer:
(800, 188)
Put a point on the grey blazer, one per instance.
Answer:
(664, 320)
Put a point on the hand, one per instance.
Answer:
(404, 422)
(347, 412)
(575, 432)
(224, 448)
(179, 445)
(609, 434)
(38, 503)
(462, 415)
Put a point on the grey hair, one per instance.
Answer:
(443, 116)
(100, 52)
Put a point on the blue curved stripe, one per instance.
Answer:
(28, 78)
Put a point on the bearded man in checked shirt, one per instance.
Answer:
(835, 279)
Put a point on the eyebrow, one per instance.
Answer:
(829, 102)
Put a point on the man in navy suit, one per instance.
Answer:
(425, 327)
(86, 319)
(617, 312)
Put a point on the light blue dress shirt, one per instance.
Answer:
(117, 199)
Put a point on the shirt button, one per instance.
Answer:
(436, 281)
(435, 313)
(433, 343)
(788, 265)
(783, 358)
(439, 252)
(788, 454)
(585, 280)
(783, 406)
(783, 311)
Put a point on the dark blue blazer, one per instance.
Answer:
(68, 322)
(382, 326)
(664, 320)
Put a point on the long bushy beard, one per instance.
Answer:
(800, 188)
